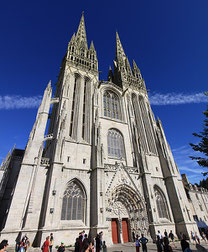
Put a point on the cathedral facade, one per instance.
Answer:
(104, 165)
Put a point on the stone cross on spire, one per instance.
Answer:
(81, 37)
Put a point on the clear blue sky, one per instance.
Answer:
(167, 39)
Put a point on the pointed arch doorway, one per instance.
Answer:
(128, 213)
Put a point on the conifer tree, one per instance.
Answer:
(202, 146)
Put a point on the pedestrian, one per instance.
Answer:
(51, 242)
(3, 245)
(137, 243)
(27, 244)
(86, 240)
(105, 247)
(97, 240)
(80, 241)
(166, 233)
(172, 238)
(166, 246)
(193, 237)
(184, 243)
(180, 237)
(22, 245)
(101, 239)
(204, 237)
(82, 234)
(159, 244)
(77, 245)
(133, 236)
(88, 247)
(143, 240)
(160, 236)
(45, 245)
(197, 237)
(189, 250)
(18, 243)
(61, 247)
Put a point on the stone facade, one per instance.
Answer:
(105, 163)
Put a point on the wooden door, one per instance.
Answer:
(114, 229)
(125, 230)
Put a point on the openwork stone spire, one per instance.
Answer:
(78, 53)
(124, 75)
(92, 47)
(81, 37)
(120, 54)
(136, 71)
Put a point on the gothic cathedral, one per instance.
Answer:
(104, 165)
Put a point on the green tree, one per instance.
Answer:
(203, 183)
(202, 146)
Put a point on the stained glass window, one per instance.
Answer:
(115, 144)
(161, 204)
(111, 105)
(74, 203)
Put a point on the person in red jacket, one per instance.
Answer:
(45, 246)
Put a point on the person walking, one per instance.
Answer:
(197, 237)
(51, 242)
(159, 244)
(172, 237)
(166, 246)
(143, 240)
(160, 236)
(98, 244)
(184, 243)
(45, 245)
(166, 233)
(193, 237)
(77, 245)
(137, 243)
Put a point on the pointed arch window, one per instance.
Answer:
(82, 52)
(111, 104)
(161, 204)
(74, 202)
(115, 144)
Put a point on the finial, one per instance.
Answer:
(49, 84)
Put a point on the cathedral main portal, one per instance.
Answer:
(127, 212)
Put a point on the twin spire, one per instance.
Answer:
(121, 63)
(81, 36)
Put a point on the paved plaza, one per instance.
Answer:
(130, 247)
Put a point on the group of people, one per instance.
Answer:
(162, 241)
(3, 245)
(196, 238)
(84, 244)
(48, 244)
(23, 245)
(143, 241)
